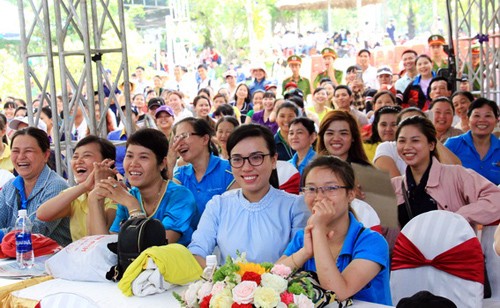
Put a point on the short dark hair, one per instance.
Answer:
(41, 137)
(306, 122)
(340, 87)
(440, 100)
(202, 66)
(224, 109)
(107, 149)
(480, 102)
(409, 51)
(153, 140)
(364, 50)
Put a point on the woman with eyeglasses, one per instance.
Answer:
(258, 218)
(350, 260)
(205, 174)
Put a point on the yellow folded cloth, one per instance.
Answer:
(175, 262)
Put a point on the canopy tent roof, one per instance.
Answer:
(9, 15)
(294, 5)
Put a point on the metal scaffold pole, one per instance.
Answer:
(54, 34)
(477, 24)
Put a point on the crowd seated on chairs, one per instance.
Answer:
(274, 178)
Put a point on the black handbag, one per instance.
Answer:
(136, 235)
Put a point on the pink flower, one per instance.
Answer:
(281, 270)
(218, 287)
(303, 301)
(244, 291)
(287, 298)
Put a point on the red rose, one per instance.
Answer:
(236, 305)
(286, 298)
(251, 276)
(205, 303)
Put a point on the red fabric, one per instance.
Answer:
(42, 245)
(464, 260)
(377, 228)
(496, 223)
(292, 185)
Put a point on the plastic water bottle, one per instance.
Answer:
(25, 256)
(211, 266)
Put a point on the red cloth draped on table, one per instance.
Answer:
(464, 260)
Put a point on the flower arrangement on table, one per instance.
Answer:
(239, 283)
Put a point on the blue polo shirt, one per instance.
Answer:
(216, 180)
(309, 156)
(369, 245)
(119, 135)
(489, 166)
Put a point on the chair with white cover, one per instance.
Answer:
(492, 260)
(438, 251)
(366, 215)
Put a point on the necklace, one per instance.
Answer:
(157, 199)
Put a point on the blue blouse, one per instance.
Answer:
(177, 211)
(261, 229)
(489, 166)
(368, 245)
(216, 180)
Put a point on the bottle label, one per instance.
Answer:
(23, 242)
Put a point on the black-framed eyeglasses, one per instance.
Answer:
(254, 160)
(326, 190)
(185, 136)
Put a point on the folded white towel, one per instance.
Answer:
(150, 281)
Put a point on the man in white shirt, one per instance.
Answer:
(369, 72)
(408, 57)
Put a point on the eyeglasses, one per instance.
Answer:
(185, 136)
(326, 190)
(254, 160)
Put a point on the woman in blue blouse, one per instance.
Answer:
(151, 195)
(479, 148)
(349, 259)
(258, 218)
(205, 174)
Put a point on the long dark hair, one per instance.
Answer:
(425, 126)
(248, 99)
(254, 130)
(375, 137)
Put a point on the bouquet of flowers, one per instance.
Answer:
(239, 283)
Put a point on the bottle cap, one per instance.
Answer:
(211, 260)
(22, 213)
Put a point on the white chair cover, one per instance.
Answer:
(64, 299)
(492, 260)
(434, 233)
(365, 213)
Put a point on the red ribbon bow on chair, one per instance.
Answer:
(464, 260)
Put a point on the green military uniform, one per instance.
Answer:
(437, 39)
(303, 84)
(436, 67)
(324, 74)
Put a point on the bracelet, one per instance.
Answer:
(134, 211)
(135, 215)
(294, 263)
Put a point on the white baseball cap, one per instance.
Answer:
(14, 124)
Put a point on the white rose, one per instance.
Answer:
(190, 296)
(222, 299)
(275, 282)
(244, 291)
(303, 301)
(204, 290)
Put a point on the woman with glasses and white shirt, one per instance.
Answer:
(205, 174)
(349, 259)
(258, 219)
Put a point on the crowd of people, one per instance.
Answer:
(222, 165)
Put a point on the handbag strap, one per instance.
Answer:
(407, 202)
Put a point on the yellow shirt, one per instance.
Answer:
(5, 162)
(79, 212)
(320, 115)
(370, 150)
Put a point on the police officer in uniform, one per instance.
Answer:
(294, 63)
(439, 58)
(329, 56)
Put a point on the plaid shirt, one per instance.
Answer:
(48, 185)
